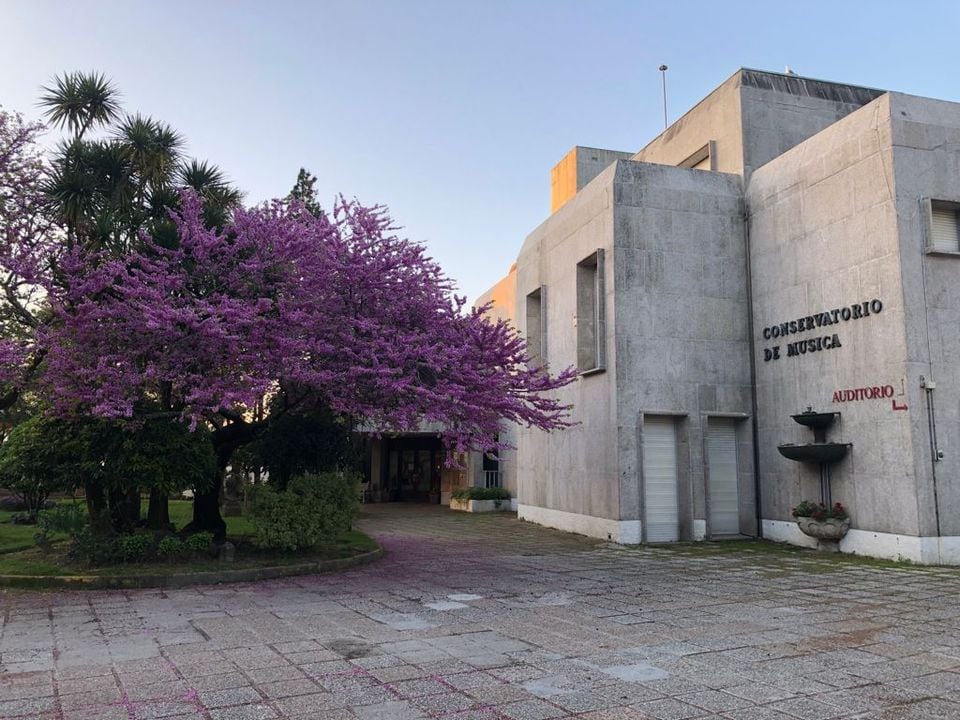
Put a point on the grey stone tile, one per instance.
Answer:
(244, 712)
(638, 672)
(670, 709)
(530, 710)
(97, 712)
(231, 696)
(808, 709)
(397, 710)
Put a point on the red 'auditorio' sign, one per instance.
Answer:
(863, 393)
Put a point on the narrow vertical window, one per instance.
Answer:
(537, 326)
(591, 320)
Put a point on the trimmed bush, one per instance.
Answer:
(481, 493)
(313, 509)
(198, 543)
(170, 547)
(92, 549)
(134, 548)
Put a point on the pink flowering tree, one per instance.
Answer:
(201, 318)
(28, 251)
(331, 306)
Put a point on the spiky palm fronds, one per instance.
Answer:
(152, 147)
(108, 191)
(79, 101)
(220, 197)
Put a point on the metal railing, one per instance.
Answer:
(492, 479)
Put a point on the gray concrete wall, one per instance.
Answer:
(824, 234)
(681, 338)
(781, 111)
(753, 117)
(717, 118)
(573, 470)
(593, 161)
(926, 164)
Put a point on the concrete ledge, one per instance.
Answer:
(214, 577)
(788, 532)
(923, 550)
(625, 532)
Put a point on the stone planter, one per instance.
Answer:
(828, 532)
(829, 529)
(477, 506)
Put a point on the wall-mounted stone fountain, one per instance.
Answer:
(823, 454)
(819, 452)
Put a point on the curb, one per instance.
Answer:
(215, 577)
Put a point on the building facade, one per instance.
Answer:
(787, 245)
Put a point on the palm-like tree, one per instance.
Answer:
(107, 191)
(110, 190)
(79, 101)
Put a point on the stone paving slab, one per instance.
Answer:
(484, 617)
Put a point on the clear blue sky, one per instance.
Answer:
(450, 112)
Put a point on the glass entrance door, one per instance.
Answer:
(413, 469)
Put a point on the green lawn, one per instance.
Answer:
(20, 537)
(14, 537)
(181, 512)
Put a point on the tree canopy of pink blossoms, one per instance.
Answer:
(207, 324)
(28, 247)
(336, 304)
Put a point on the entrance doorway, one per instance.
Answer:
(660, 497)
(412, 470)
(724, 488)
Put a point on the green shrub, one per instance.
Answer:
(312, 510)
(481, 493)
(90, 548)
(31, 463)
(68, 518)
(134, 548)
(198, 543)
(86, 547)
(820, 512)
(170, 547)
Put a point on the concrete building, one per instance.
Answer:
(788, 244)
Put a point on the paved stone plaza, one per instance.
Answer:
(472, 617)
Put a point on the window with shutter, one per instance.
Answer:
(944, 227)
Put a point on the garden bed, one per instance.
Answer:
(34, 568)
(23, 564)
(480, 499)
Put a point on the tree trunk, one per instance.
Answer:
(206, 504)
(206, 510)
(134, 501)
(283, 479)
(124, 509)
(96, 507)
(158, 513)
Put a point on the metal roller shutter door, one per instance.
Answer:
(661, 505)
(724, 487)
